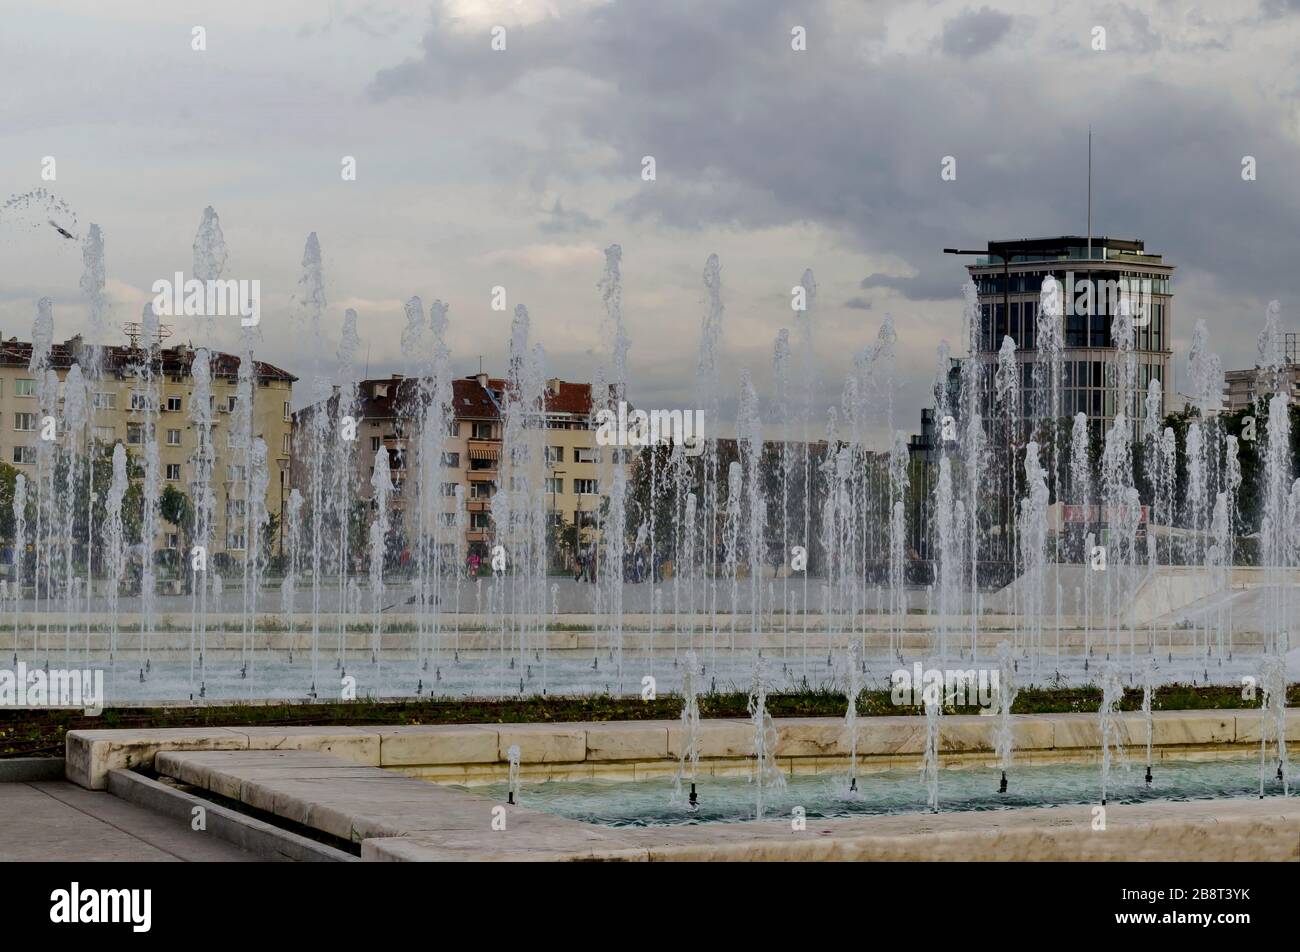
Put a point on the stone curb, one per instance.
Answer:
(248, 833)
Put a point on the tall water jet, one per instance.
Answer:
(147, 380)
(1004, 740)
(343, 490)
(381, 484)
(767, 774)
(292, 565)
(47, 387)
(1273, 720)
(782, 406)
(749, 434)
(439, 416)
(115, 538)
(615, 332)
(1032, 533)
(204, 505)
(898, 485)
(1148, 696)
(512, 775)
(947, 566)
(1047, 377)
(74, 438)
(735, 486)
(20, 550)
(932, 701)
(852, 688)
(1112, 693)
(309, 307)
(259, 519)
(688, 764)
(807, 363)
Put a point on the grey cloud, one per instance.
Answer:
(748, 135)
(930, 285)
(858, 304)
(567, 221)
(973, 32)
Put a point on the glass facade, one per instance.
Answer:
(1091, 296)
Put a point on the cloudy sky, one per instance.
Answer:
(516, 167)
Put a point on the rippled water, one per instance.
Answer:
(729, 799)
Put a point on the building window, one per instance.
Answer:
(173, 472)
(480, 490)
(482, 431)
(25, 421)
(287, 414)
(447, 520)
(139, 401)
(375, 443)
(24, 387)
(555, 454)
(554, 484)
(134, 434)
(586, 454)
(105, 401)
(286, 443)
(451, 460)
(173, 437)
(585, 487)
(234, 540)
(24, 454)
(478, 520)
(449, 489)
(173, 540)
(453, 428)
(174, 404)
(105, 434)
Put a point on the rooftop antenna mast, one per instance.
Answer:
(1090, 193)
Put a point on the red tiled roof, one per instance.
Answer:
(469, 399)
(171, 361)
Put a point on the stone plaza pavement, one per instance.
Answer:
(58, 821)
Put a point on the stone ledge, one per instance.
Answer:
(91, 754)
(474, 751)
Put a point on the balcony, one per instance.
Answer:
(476, 535)
(478, 505)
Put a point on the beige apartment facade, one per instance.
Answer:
(471, 456)
(121, 410)
(1241, 387)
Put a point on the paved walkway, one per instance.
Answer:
(59, 821)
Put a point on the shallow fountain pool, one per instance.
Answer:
(730, 799)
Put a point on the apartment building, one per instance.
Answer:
(1090, 270)
(120, 408)
(1241, 387)
(471, 453)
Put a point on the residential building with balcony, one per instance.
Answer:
(120, 408)
(472, 448)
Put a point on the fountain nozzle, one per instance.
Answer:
(1002, 787)
(693, 799)
(510, 797)
(1148, 775)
